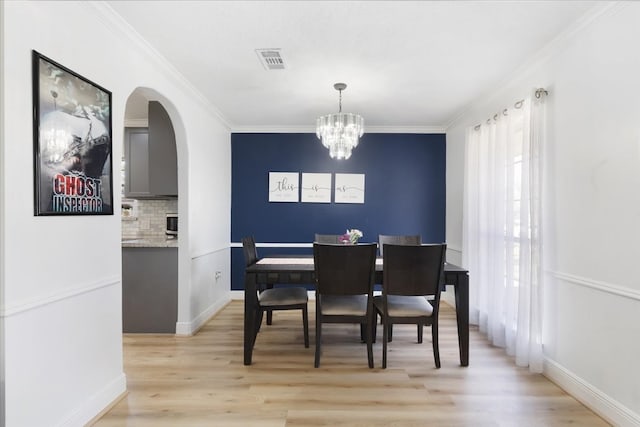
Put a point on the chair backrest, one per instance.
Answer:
(249, 249)
(413, 270)
(398, 240)
(327, 238)
(344, 269)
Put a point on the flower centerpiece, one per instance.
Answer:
(351, 236)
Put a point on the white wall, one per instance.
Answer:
(61, 276)
(2, 240)
(592, 205)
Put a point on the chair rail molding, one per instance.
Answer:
(609, 288)
(20, 307)
(207, 252)
(274, 245)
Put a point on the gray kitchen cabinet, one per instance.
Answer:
(151, 166)
(163, 160)
(136, 158)
(149, 290)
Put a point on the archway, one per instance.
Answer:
(153, 148)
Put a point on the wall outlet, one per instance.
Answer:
(218, 275)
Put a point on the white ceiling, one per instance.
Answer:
(411, 65)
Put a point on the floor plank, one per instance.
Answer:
(201, 381)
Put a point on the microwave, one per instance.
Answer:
(172, 224)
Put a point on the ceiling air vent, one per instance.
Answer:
(271, 59)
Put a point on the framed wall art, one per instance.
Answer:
(316, 188)
(72, 142)
(284, 186)
(349, 188)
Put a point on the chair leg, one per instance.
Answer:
(390, 332)
(363, 337)
(318, 338)
(385, 340)
(305, 325)
(419, 333)
(270, 312)
(374, 328)
(369, 345)
(436, 349)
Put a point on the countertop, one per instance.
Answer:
(149, 242)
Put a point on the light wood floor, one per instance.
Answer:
(201, 381)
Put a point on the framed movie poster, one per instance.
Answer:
(72, 142)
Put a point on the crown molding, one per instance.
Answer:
(312, 129)
(122, 28)
(273, 129)
(405, 129)
(541, 57)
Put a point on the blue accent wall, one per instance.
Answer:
(404, 189)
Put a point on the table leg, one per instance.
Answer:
(250, 311)
(462, 316)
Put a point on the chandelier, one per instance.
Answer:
(340, 132)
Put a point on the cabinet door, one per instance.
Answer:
(149, 290)
(163, 163)
(136, 162)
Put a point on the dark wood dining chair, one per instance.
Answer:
(276, 298)
(344, 289)
(327, 238)
(410, 274)
(397, 240)
(402, 239)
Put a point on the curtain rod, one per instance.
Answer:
(538, 94)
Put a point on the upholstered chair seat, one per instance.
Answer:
(344, 305)
(283, 296)
(406, 306)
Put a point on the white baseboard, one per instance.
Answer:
(189, 328)
(602, 404)
(97, 403)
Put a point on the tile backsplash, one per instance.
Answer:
(150, 218)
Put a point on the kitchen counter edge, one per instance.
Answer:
(150, 242)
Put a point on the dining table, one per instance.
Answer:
(299, 269)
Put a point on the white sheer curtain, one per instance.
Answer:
(502, 229)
